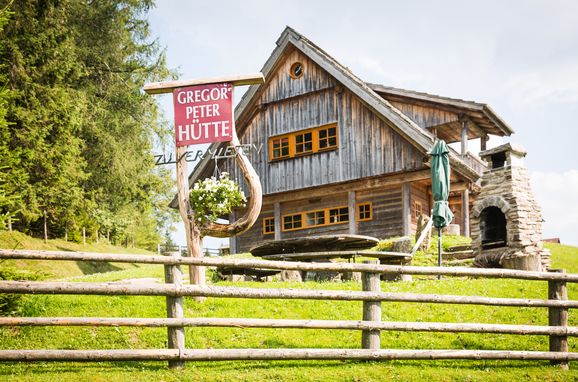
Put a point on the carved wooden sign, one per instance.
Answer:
(203, 114)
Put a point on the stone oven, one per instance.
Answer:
(506, 223)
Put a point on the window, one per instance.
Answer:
(280, 148)
(327, 138)
(317, 218)
(364, 212)
(303, 142)
(418, 210)
(296, 70)
(339, 215)
(268, 226)
(291, 222)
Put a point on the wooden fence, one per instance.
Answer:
(557, 303)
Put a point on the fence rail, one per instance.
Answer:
(289, 265)
(371, 325)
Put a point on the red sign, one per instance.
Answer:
(203, 114)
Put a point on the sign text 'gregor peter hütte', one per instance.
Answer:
(203, 114)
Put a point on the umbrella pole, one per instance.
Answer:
(439, 250)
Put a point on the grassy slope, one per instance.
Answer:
(93, 338)
(59, 269)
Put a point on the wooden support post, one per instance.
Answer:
(45, 228)
(483, 142)
(233, 240)
(352, 213)
(558, 317)
(83, 236)
(466, 212)
(277, 218)
(371, 309)
(175, 309)
(193, 233)
(406, 209)
(464, 146)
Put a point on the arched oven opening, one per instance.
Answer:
(493, 228)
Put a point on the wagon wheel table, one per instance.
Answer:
(326, 248)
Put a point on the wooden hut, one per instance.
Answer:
(340, 155)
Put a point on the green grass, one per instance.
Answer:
(60, 269)
(119, 338)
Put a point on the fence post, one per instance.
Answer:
(371, 309)
(175, 309)
(558, 316)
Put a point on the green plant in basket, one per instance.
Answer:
(212, 197)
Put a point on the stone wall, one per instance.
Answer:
(508, 188)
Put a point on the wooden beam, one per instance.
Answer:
(406, 208)
(236, 80)
(175, 309)
(261, 264)
(558, 316)
(483, 142)
(277, 220)
(402, 326)
(154, 289)
(464, 138)
(370, 339)
(344, 187)
(352, 212)
(466, 212)
(276, 354)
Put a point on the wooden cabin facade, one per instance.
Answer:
(343, 156)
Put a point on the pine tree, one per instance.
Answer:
(79, 129)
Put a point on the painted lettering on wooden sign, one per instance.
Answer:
(203, 114)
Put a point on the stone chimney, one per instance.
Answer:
(506, 224)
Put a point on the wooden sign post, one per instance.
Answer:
(203, 114)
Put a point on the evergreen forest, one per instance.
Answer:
(76, 130)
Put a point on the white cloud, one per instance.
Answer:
(557, 194)
(557, 83)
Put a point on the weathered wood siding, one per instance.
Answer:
(367, 145)
(419, 195)
(385, 222)
(425, 116)
(386, 210)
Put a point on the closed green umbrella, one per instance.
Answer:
(440, 185)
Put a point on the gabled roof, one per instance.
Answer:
(480, 113)
(417, 136)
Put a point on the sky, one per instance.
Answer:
(519, 57)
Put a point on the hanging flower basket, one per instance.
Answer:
(211, 198)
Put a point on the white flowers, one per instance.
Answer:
(212, 197)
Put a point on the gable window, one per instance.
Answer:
(291, 222)
(268, 226)
(296, 70)
(303, 142)
(280, 148)
(364, 212)
(327, 138)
